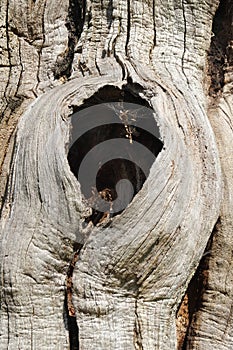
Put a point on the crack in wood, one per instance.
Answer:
(128, 28)
(8, 46)
(117, 58)
(42, 45)
(154, 24)
(97, 67)
(21, 71)
(69, 305)
(9, 60)
(154, 28)
(218, 55)
(137, 331)
(74, 24)
(110, 13)
(185, 43)
(192, 300)
(69, 285)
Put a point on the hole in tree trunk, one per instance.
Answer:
(114, 142)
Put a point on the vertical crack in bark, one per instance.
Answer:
(69, 285)
(9, 59)
(38, 177)
(128, 28)
(109, 13)
(8, 47)
(177, 117)
(185, 43)
(154, 24)
(69, 306)
(112, 50)
(74, 24)
(137, 331)
(42, 45)
(21, 71)
(97, 67)
(192, 300)
(218, 57)
(119, 61)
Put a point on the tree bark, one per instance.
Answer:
(130, 277)
(212, 321)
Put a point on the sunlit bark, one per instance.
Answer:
(130, 277)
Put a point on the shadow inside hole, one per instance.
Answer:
(112, 148)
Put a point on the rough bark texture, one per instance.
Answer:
(213, 320)
(131, 276)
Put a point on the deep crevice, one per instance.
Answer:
(192, 300)
(109, 13)
(154, 27)
(74, 24)
(71, 324)
(124, 117)
(128, 28)
(9, 60)
(69, 309)
(218, 56)
(41, 47)
(8, 46)
(154, 24)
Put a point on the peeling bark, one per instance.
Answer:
(133, 273)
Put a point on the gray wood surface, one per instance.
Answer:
(132, 275)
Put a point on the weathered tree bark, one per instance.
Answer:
(131, 276)
(212, 321)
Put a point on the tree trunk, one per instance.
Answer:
(116, 284)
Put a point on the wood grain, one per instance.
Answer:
(131, 276)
